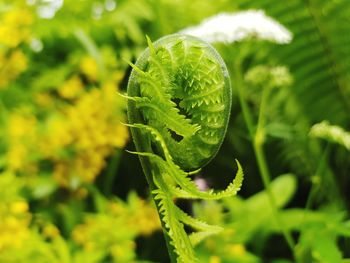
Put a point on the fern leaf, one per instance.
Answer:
(174, 228)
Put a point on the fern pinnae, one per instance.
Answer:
(174, 228)
(179, 100)
(187, 188)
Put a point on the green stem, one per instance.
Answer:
(98, 199)
(257, 137)
(143, 145)
(315, 186)
(147, 167)
(265, 175)
(260, 129)
(111, 172)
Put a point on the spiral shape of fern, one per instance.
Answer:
(184, 92)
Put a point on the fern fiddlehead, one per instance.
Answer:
(179, 100)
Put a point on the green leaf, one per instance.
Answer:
(283, 188)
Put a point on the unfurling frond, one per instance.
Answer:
(179, 100)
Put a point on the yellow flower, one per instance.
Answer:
(71, 88)
(144, 218)
(214, 259)
(43, 100)
(21, 125)
(76, 139)
(50, 231)
(11, 66)
(83, 168)
(18, 61)
(124, 252)
(92, 127)
(58, 136)
(15, 27)
(133, 218)
(14, 214)
(236, 250)
(16, 156)
(61, 173)
(14, 226)
(118, 135)
(79, 235)
(89, 67)
(116, 209)
(88, 165)
(21, 136)
(19, 207)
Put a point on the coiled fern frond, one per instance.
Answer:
(179, 100)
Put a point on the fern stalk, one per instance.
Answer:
(147, 169)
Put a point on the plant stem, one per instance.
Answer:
(265, 175)
(257, 137)
(147, 169)
(315, 186)
(111, 172)
(143, 145)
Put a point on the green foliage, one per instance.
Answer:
(67, 186)
(316, 61)
(246, 225)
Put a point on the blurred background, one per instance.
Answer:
(70, 193)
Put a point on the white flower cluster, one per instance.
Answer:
(232, 27)
(262, 75)
(46, 8)
(331, 133)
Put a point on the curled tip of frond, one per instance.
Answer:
(237, 182)
(238, 164)
(240, 169)
(188, 189)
